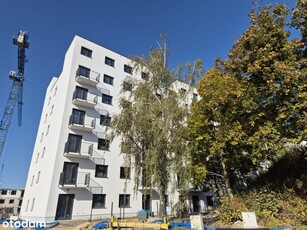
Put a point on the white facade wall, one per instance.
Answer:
(42, 194)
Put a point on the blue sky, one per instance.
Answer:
(202, 29)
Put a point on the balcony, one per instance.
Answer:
(87, 124)
(87, 77)
(78, 150)
(89, 101)
(80, 180)
(71, 180)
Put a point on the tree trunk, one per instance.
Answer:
(227, 182)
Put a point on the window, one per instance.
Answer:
(107, 99)
(13, 192)
(183, 90)
(86, 52)
(32, 180)
(38, 175)
(124, 201)
(51, 111)
(20, 203)
(33, 202)
(74, 143)
(124, 173)
(108, 79)
(127, 86)
(49, 100)
(128, 69)
(42, 137)
(144, 76)
(166, 200)
(109, 61)
(99, 201)
(101, 171)
(11, 202)
(195, 96)
(43, 153)
(28, 201)
(103, 144)
(77, 117)
(46, 118)
(2, 201)
(4, 192)
(47, 130)
(105, 120)
(83, 71)
(80, 93)
(55, 91)
(37, 158)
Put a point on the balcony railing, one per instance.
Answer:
(92, 78)
(83, 150)
(87, 124)
(90, 101)
(80, 180)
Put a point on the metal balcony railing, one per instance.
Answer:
(87, 76)
(89, 100)
(85, 124)
(80, 150)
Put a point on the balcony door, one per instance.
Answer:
(81, 93)
(77, 117)
(74, 143)
(70, 172)
(65, 206)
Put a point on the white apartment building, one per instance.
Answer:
(10, 201)
(75, 173)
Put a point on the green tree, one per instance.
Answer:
(253, 103)
(152, 122)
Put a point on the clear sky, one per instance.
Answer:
(202, 29)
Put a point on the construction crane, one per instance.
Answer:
(15, 95)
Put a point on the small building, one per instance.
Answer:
(10, 202)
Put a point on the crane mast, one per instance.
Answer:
(16, 92)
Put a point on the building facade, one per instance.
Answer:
(10, 202)
(75, 173)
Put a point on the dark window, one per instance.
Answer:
(103, 144)
(195, 96)
(86, 52)
(145, 76)
(183, 90)
(11, 201)
(127, 86)
(107, 99)
(99, 201)
(108, 79)
(124, 173)
(74, 143)
(109, 61)
(4, 192)
(128, 69)
(13, 192)
(80, 93)
(1, 201)
(20, 203)
(83, 71)
(166, 200)
(77, 117)
(124, 201)
(105, 120)
(210, 201)
(101, 171)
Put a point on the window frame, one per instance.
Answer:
(86, 52)
(108, 97)
(106, 146)
(128, 69)
(122, 172)
(108, 79)
(105, 120)
(105, 167)
(109, 61)
(124, 204)
(102, 204)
